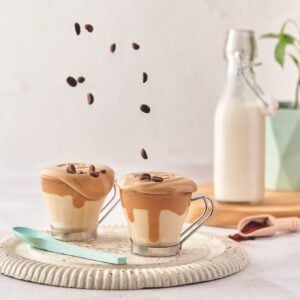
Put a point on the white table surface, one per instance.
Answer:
(273, 272)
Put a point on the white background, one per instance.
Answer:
(44, 121)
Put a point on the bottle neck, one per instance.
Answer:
(235, 84)
(234, 68)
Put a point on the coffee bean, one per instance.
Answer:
(90, 99)
(71, 169)
(89, 27)
(113, 48)
(145, 77)
(95, 174)
(92, 168)
(81, 79)
(144, 154)
(103, 171)
(145, 108)
(80, 172)
(145, 176)
(77, 28)
(71, 81)
(157, 179)
(135, 46)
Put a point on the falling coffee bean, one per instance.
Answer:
(81, 79)
(103, 171)
(71, 169)
(135, 46)
(113, 48)
(145, 77)
(77, 28)
(145, 108)
(95, 174)
(89, 27)
(92, 168)
(157, 179)
(71, 81)
(90, 99)
(145, 176)
(144, 154)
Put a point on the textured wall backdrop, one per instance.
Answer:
(43, 120)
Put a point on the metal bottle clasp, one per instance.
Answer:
(255, 88)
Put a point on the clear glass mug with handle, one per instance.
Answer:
(156, 211)
(74, 195)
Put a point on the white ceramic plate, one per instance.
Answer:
(204, 257)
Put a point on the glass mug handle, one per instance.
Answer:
(202, 219)
(109, 205)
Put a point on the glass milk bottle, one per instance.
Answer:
(239, 135)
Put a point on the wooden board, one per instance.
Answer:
(276, 203)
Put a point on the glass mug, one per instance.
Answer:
(74, 195)
(156, 212)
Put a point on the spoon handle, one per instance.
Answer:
(41, 240)
(83, 252)
(288, 224)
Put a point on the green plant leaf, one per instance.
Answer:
(287, 37)
(294, 59)
(283, 27)
(270, 36)
(288, 21)
(279, 53)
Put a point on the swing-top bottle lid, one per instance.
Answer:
(240, 43)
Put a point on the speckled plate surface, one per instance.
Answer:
(204, 257)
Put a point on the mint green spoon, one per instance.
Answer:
(42, 240)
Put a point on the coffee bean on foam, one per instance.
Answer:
(80, 79)
(135, 46)
(103, 171)
(89, 27)
(145, 77)
(71, 169)
(77, 28)
(90, 99)
(71, 81)
(113, 48)
(145, 108)
(145, 176)
(144, 154)
(95, 174)
(157, 179)
(92, 168)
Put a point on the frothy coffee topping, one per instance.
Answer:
(81, 181)
(171, 183)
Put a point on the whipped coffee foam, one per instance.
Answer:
(171, 183)
(83, 182)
